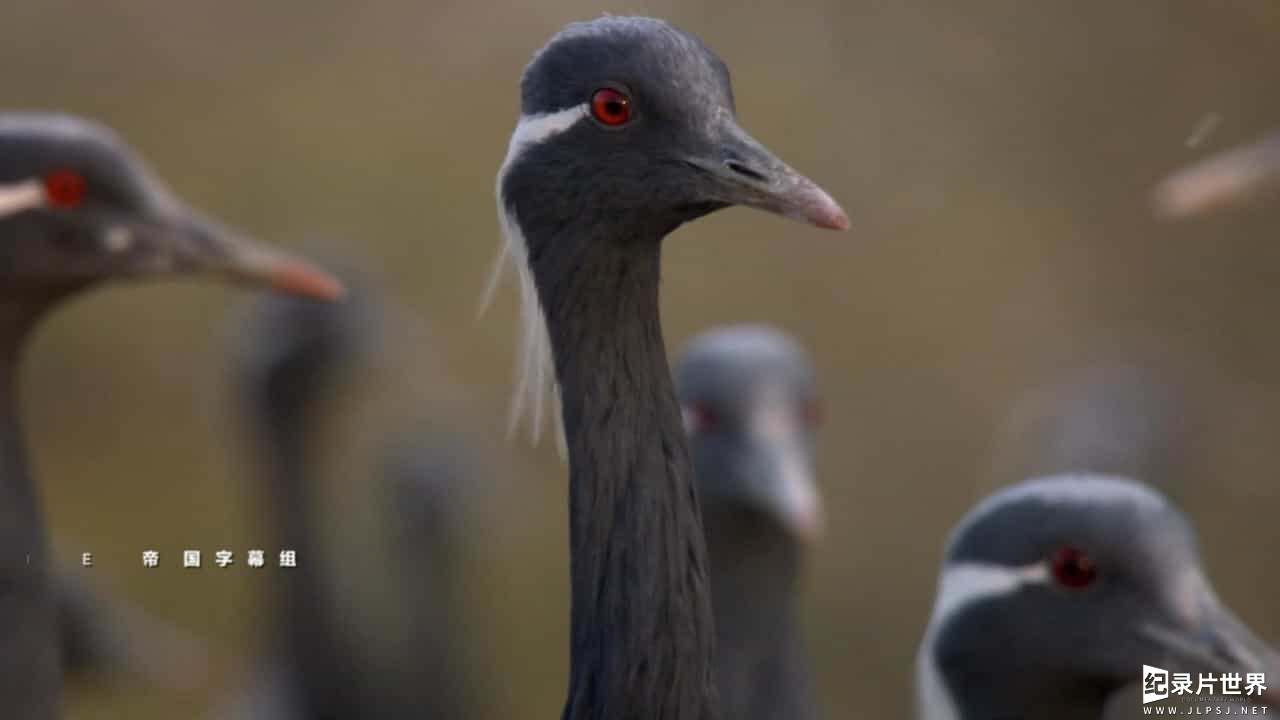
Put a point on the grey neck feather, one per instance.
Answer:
(642, 633)
(761, 664)
(437, 680)
(30, 674)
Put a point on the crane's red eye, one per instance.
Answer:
(64, 188)
(700, 418)
(610, 107)
(813, 413)
(1072, 568)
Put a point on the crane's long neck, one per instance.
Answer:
(642, 635)
(287, 469)
(426, 516)
(761, 665)
(30, 675)
(313, 646)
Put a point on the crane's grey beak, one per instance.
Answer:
(1218, 642)
(794, 495)
(196, 244)
(744, 172)
(779, 467)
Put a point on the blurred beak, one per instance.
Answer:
(194, 243)
(1230, 178)
(786, 483)
(744, 172)
(1218, 642)
(795, 495)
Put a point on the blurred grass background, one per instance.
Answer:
(995, 158)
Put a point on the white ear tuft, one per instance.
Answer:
(534, 364)
(533, 360)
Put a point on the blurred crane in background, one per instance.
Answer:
(751, 406)
(1003, 186)
(298, 359)
(1019, 627)
(1055, 592)
(77, 209)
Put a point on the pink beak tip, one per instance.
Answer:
(824, 212)
(299, 277)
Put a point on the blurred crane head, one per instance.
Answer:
(750, 406)
(1056, 591)
(77, 207)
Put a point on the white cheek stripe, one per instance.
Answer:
(534, 362)
(961, 585)
(966, 583)
(533, 129)
(17, 197)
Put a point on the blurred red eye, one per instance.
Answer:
(1072, 568)
(610, 107)
(64, 188)
(700, 418)
(813, 413)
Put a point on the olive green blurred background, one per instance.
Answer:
(995, 158)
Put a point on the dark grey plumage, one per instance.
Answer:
(105, 217)
(1011, 637)
(749, 401)
(585, 205)
(430, 511)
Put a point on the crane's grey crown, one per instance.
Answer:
(995, 530)
(731, 366)
(679, 156)
(33, 144)
(747, 348)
